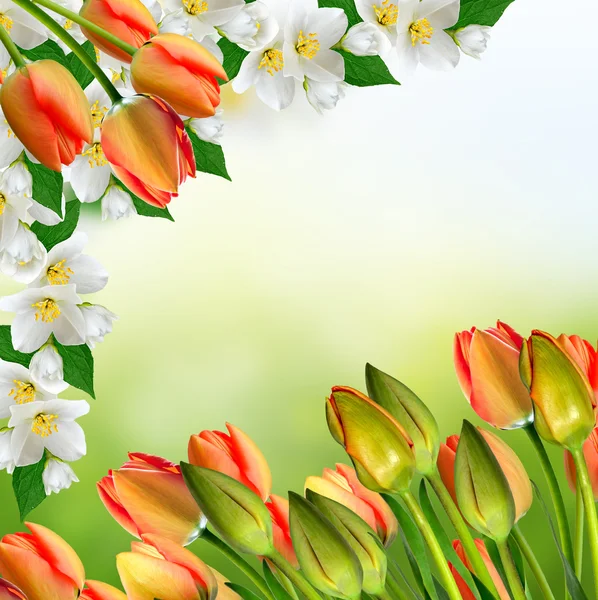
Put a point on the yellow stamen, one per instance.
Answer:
(68, 24)
(58, 274)
(97, 113)
(24, 391)
(195, 7)
(387, 14)
(97, 51)
(272, 61)
(307, 46)
(2, 202)
(43, 425)
(6, 22)
(47, 310)
(96, 155)
(9, 132)
(421, 31)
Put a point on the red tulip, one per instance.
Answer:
(235, 454)
(47, 110)
(128, 20)
(96, 590)
(147, 495)
(279, 510)
(487, 365)
(590, 451)
(181, 71)
(145, 142)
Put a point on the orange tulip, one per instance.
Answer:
(487, 366)
(586, 357)
(344, 487)
(47, 110)
(235, 454)
(512, 467)
(128, 20)
(181, 71)
(96, 590)
(590, 451)
(281, 529)
(145, 142)
(10, 592)
(148, 495)
(41, 564)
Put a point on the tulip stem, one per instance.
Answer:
(75, 47)
(11, 48)
(585, 486)
(86, 24)
(532, 561)
(446, 576)
(511, 570)
(471, 550)
(579, 523)
(294, 576)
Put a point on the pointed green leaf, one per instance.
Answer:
(47, 186)
(243, 591)
(8, 353)
(81, 73)
(48, 50)
(275, 586)
(365, 71)
(481, 12)
(49, 236)
(209, 158)
(233, 57)
(78, 366)
(28, 487)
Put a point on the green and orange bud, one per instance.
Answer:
(379, 447)
(281, 528)
(482, 490)
(181, 71)
(97, 590)
(413, 415)
(362, 539)
(236, 512)
(47, 110)
(563, 397)
(128, 20)
(326, 558)
(148, 495)
(146, 144)
(41, 565)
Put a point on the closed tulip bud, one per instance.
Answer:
(145, 142)
(483, 492)
(326, 559)
(47, 110)
(344, 486)
(236, 513)
(128, 20)
(413, 415)
(148, 495)
(586, 357)
(487, 366)
(10, 592)
(380, 449)
(563, 397)
(590, 452)
(360, 536)
(235, 454)
(281, 528)
(41, 565)
(97, 590)
(181, 71)
(159, 568)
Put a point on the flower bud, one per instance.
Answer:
(585, 355)
(413, 415)
(590, 452)
(365, 39)
(487, 366)
(281, 528)
(473, 39)
(380, 449)
(57, 476)
(483, 492)
(24, 256)
(47, 110)
(563, 398)
(326, 559)
(47, 369)
(210, 129)
(97, 590)
(235, 512)
(323, 95)
(128, 20)
(117, 204)
(98, 322)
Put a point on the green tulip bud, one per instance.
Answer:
(325, 557)
(360, 536)
(483, 492)
(410, 412)
(236, 513)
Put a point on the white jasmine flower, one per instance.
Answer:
(176, 22)
(73, 29)
(14, 205)
(43, 311)
(252, 27)
(209, 129)
(6, 458)
(307, 42)
(117, 204)
(57, 476)
(23, 257)
(473, 39)
(154, 8)
(324, 96)
(51, 425)
(66, 264)
(25, 30)
(17, 387)
(421, 37)
(383, 14)
(365, 39)
(98, 323)
(46, 370)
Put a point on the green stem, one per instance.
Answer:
(585, 487)
(532, 561)
(446, 576)
(76, 48)
(239, 562)
(86, 24)
(579, 522)
(395, 587)
(511, 571)
(295, 576)
(383, 595)
(454, 514)
(11, 47)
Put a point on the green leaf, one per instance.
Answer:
(365, 71)
(28, 487)
(143, 208)
(209, 158)
(275, 586)
(48, 50)
(78, 366)
(7, 352)
(233, 57)
(481, 12)
(49, 236)
(78, 69)
(47, 186)
(347, 5)
(243, 591)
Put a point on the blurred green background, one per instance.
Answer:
(372, 234)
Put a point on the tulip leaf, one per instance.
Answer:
(48, 50)
(209, 158)
(243, 591)
(8, 353)
(28, 486)
(81, 73)
(365, 71)
(143, 208)
(233, 57)
(78, 366)
(275, 586)
(49, 236)
(346, 5)
(47, 186)
(481, 12)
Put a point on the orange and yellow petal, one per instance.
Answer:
(97, 590)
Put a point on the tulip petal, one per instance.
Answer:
(10, 592)
(109, 497)
(97, 590)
